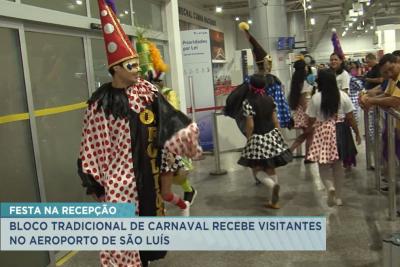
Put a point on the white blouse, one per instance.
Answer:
(343, 81)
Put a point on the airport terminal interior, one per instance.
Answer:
(284, 108)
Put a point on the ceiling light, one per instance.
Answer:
(368, 3)
(218, 9)
(126, 12)
(354, 19)
(372, 27)
(309, 6)
(78, 2)
(312, 21)
(237, 18)
(249, 21)
(366, 31)
(351, 24)
(353, 13)
(343, 34)
(346, 29)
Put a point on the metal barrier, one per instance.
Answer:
(193, 110)
(218, 170)
(392, 116)
(192, 98)
(377, 147)
(368, 142)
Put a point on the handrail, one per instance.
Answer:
(393, 116)
(394, 112)
(217, 154)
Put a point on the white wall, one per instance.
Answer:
(350, 44)
(241, 40)
(230, 38)
(389, 37)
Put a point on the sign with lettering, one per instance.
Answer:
(196, 16)
(196, 56)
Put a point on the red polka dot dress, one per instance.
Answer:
(327, 145)
(324, 146)
(300, 118)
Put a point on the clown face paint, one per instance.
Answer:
(130, 70)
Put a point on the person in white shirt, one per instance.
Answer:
(342, 76)
(301, 88)
(332, 141)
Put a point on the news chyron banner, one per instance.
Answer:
(113, 226)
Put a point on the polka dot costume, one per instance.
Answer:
(140, 95)
(324, 146)
(107, 156)
(282, 107)
(275, 90)
(185, 142)
(120, 259)
(300, 118)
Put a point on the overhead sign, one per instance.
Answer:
(196, 16)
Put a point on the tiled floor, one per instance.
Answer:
(354, 231)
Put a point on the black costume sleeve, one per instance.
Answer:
(170, 120)
(234, 106)
(89, 182)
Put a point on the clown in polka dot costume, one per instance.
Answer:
(132, 139)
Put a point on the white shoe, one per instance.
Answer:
(186, 212)
(339, 202)
(331, 197)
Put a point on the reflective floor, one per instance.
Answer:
(354, 231)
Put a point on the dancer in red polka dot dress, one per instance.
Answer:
(329, 110)
(131, 140)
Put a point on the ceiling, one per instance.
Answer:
(327, 13)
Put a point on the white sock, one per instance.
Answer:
(265, 179)
(274, 178)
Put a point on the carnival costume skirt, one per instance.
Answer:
(267, 150)
(300, 118)
(332, 141)
(345, 143)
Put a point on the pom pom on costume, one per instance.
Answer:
(244, 26)
(258, 51)
(299, 57)
(143, 49)
(337, 49)
(111, 4)
(156, 58)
